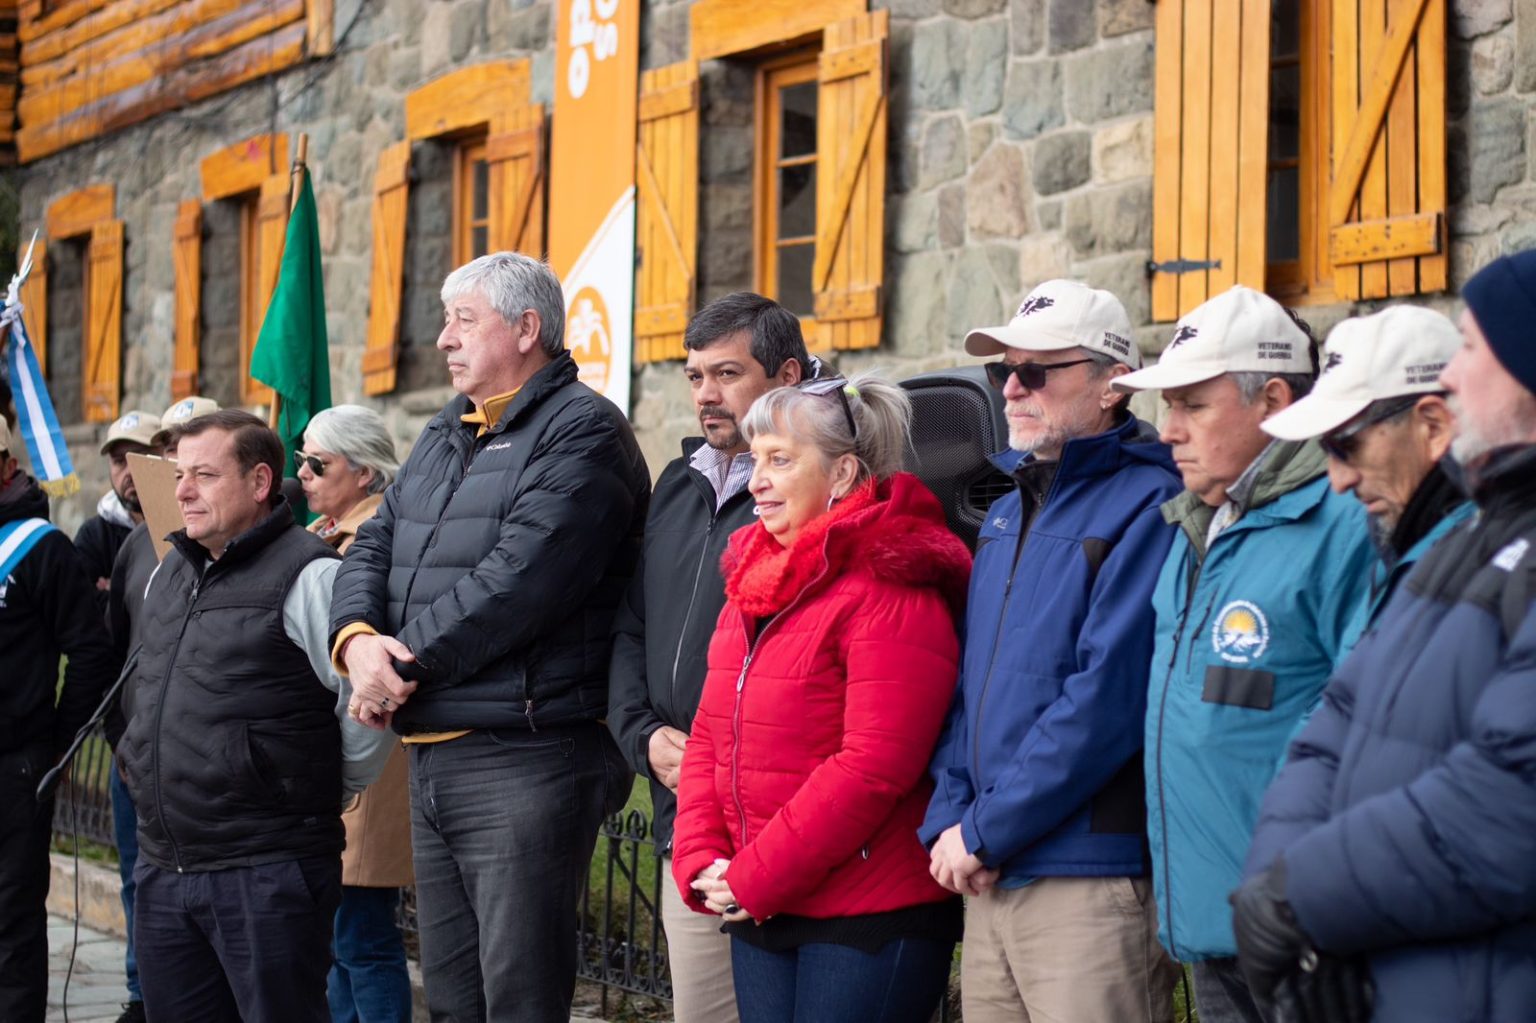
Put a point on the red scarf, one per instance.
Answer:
(767, 576)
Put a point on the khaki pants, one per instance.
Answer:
(700, 958)
(1066, 950)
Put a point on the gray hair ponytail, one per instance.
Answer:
(880, 409)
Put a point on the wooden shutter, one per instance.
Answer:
(667, 225)
(34, 300)
(1387, 197)
(187, 257)
(271, 231)
(850, 182)
(104, 322)
(514, 152)
(391, 184)
(1210, 126)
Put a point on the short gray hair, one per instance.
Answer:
(1251, 384)
(359, 435)
(880, 409)
(513, 283)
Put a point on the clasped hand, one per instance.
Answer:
(377, 689)
(718, 898)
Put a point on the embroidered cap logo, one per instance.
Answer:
(1034, 305)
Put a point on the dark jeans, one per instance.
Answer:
(240, 943)
(503, 825)
(1221, 994)
(369, 982)
(824, 983)
(125, 828)
(24, 830)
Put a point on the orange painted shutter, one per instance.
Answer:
(34, 300)
(391, 185)
(1387, 196)
(104, 322)
(515, 152)
(667, 228)
(187, 257)
(1210, 137)
(850, 182)
(271, 231)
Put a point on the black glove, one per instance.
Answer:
(1327, 989)
(1270, 943)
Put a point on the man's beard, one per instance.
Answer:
(131, 501)
(1470, 443)
(730, 438)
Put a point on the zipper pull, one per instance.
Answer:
(741, 679)
(528, 713)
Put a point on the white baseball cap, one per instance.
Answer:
(1390, 354)
(135, 427)
(1238, 331)
(1059, 315)
(183, 411)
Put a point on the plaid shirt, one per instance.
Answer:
(728, 474)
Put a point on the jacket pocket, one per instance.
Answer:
(1239, 687)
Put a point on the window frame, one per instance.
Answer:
(773, 76)
(469, 151)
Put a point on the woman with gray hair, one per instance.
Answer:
(830, 672)
(347, 461)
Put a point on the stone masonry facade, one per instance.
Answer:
(1020, 149)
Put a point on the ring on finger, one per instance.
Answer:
(384, 703)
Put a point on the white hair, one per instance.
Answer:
(512, 283)
(359, 435)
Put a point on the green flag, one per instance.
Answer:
(291, 355)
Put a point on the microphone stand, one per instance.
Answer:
(50, 780)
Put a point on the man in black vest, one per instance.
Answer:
(474, 613)
(739, 348)
(47, 608)
(238, 753)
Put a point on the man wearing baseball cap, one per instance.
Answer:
(1401, 833)
(181, 412)
(1038, 811)
(1253, 605)
(101, 536)
(1379, 413)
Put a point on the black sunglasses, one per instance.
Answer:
(1031, 374)
(1344, 443)
(300, 459)
(839, 386)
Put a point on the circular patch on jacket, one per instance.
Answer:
(1240, 634)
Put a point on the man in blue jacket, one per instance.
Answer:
(1402, 830)
(1253, 606)
(1037, 812)
(1380, 415)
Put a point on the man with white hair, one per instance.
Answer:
(474, 613)
(1037, 812)
(1399, 840)
(1253, 607)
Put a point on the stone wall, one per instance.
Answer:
(1020, 149)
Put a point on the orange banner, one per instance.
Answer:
(592, 185)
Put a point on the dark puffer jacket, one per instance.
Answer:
(1407, 810)
(233, 752)
(499, 559)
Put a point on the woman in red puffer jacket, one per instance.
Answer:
(830, 672)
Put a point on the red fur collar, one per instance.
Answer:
(892, 530)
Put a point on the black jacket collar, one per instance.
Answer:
(243, 547)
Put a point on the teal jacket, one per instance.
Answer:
(1247, 634)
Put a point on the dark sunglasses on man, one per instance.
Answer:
(1344, 443)
(300, 460)
(1032, 375)
(842, 388)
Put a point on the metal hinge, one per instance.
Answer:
(1182, 266)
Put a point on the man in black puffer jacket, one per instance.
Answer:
(238, 753)
(473, 614)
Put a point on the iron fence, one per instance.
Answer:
(620, 942)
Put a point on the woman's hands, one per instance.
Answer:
(717, 895)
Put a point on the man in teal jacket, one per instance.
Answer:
(1379, 413)
(1253, 606)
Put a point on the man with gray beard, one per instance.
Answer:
(1037, 812)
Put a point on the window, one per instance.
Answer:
(471, 203)
(81, 300)
(1300, 148)
(785, 193)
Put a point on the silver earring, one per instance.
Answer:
(831, 501)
